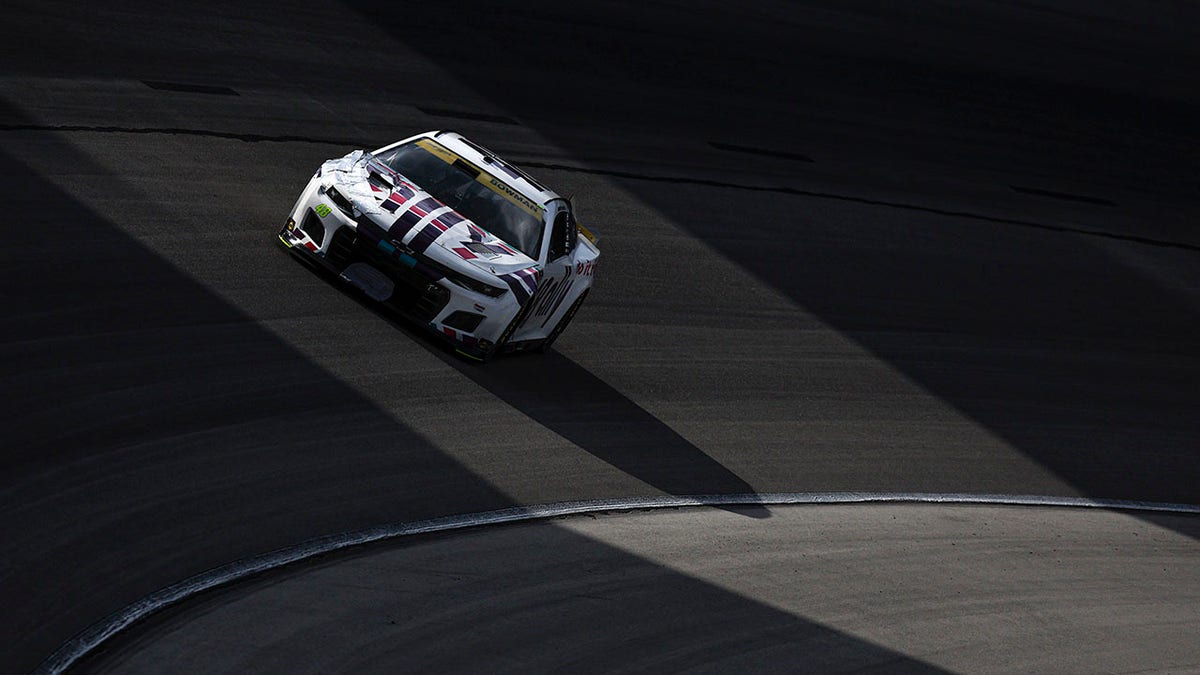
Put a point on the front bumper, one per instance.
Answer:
(427, 301)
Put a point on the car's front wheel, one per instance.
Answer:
(562, 323)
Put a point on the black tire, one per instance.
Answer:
(562, 323)
(498, 348)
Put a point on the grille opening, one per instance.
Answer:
(414, 293)
(341, 248)
(313, 227)
(430, 303)
(340, 201)
(464, 321)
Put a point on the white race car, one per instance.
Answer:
(450, 235)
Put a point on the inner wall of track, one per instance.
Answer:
(966, 263)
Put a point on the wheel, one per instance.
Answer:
(508, 332)
(562, 323)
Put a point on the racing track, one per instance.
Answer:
(846, 247)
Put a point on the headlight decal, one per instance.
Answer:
(477, 286)
(523, 283)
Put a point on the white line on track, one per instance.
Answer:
(83, 644)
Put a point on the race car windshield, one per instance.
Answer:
(475, 195)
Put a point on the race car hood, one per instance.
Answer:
(402, 209)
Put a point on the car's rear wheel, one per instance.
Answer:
(562, 323)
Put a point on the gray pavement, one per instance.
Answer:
(978, 589)
(892, 315)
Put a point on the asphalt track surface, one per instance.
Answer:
(967, 588)
(846, 246)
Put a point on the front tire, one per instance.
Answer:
(562, 323)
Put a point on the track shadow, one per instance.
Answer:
(152, 431)
(575, 404)
(466, 602)
(569, 400)
(1081, 363)
(1070, 356)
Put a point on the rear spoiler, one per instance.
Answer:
(588, 233)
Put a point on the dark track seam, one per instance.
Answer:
(871, 202)
(780, 154)
(466, 115)
(1062, 195)
(248, 138)
(677, 180)
(184, 87)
